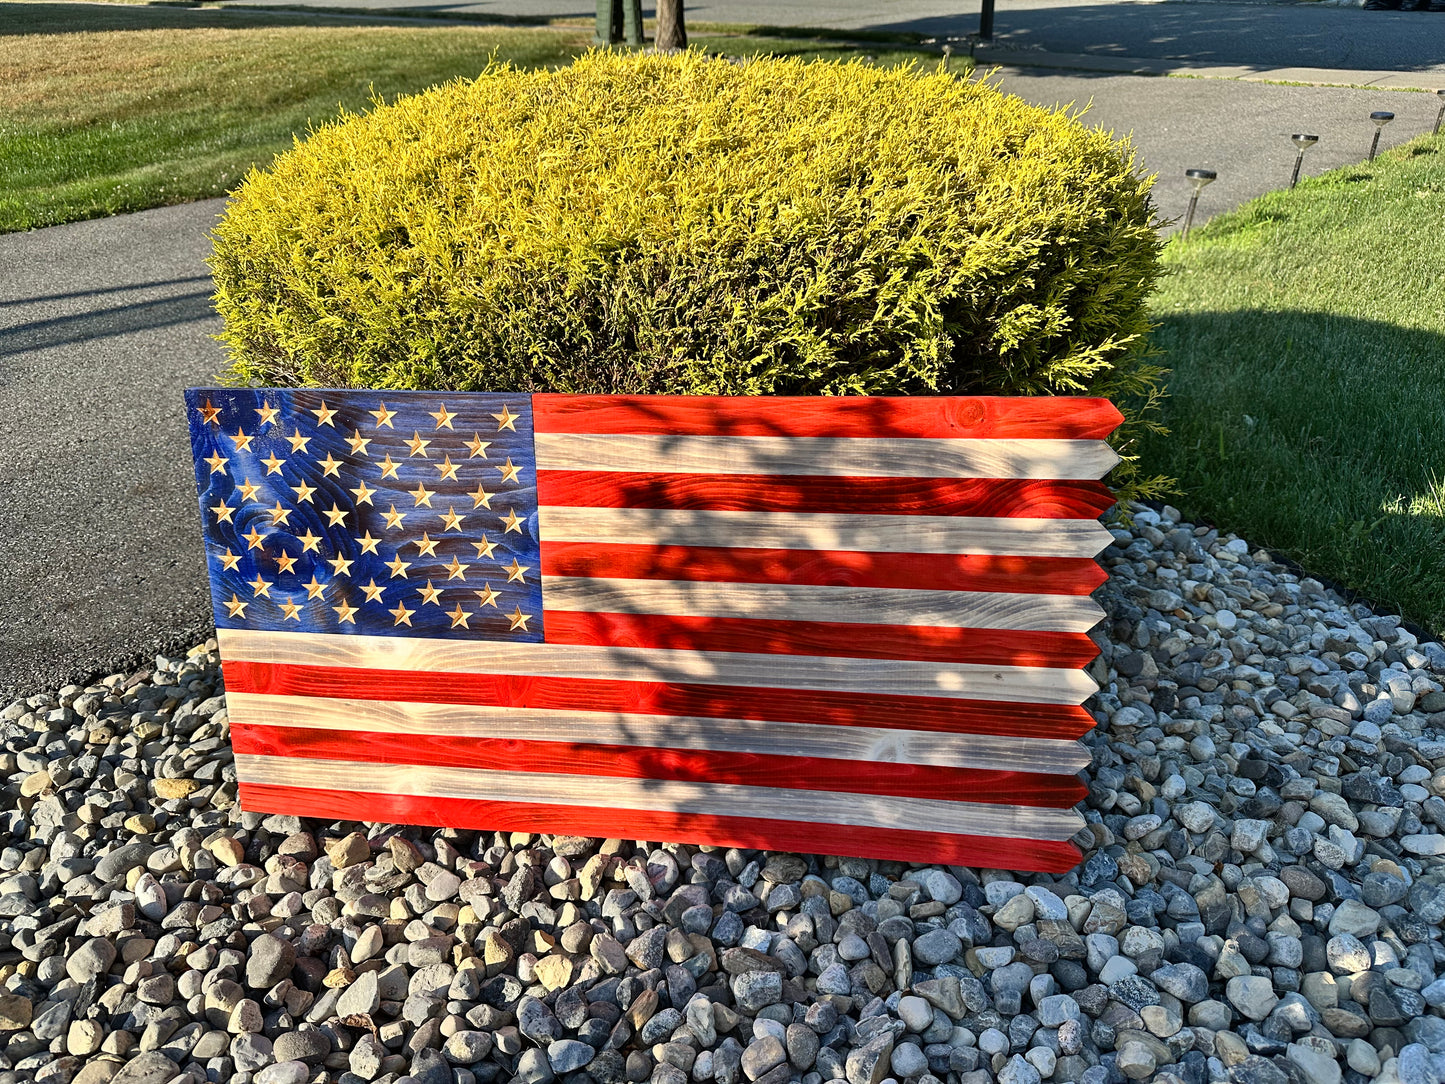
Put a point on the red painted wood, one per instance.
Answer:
(682, 765)
(938, 714)
(995, 647)
(829, 416)
(993, 497)
(827, 568)
(898, 844)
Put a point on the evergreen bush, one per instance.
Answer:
(679, 224)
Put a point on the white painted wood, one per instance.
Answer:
(715, 799)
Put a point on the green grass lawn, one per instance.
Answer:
(120, 107)
(1306, 334)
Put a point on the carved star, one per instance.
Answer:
(402, 614)
(506, 419)
(512, 521)
(309, 541)
(279, 515)
(426, 545)
(417, 445)
(242, 441)
(509, 472)
(340, 565)
(484, 548)
(358, 443)
(368, 544)
(460, 617)
(430, 594)
(286, 562)
(273, 465)
(268, 413)
(456, 569)
(291, 610)
(452, 520)
(223, 512)
(383, 417)
(363, 495)
(446, 470)
(330, 466)
(487, 595)
(443, 416)
(315, 589)
(398, 567)
(515, 572)
(324, 415)
(248, 490)
(519, 620)
(422, 495)
(218, 463)
(229, 560)
(254, 539)
(481, 497)
(372, 591)
(209, 413)
(345, 612)
(478, 447)
(388, 468)
(303, 492)
(261, 587)
(393, 518)
(298, 442)
(336, 515)
(235, 607)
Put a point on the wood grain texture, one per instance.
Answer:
(836, 568)
(838, 416)
(907, 845)
(805, 602)
(841, 809)
(559, 758)
(800, 637)
(448, 659)
(899, 457)
(407, 720)
(991, 497)
(826, 531)
(925, 713)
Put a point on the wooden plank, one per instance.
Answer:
(807, 602)
(825, 531)
(841, 809)
(829, 416)
(445, 658)
(928, 713)
(905, 845)
(938, 571)
(980, 752)
(897, 457)
(994, 497)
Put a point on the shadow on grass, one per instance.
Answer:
(1316, 435)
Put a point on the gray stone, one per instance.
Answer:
(936, 947)
(269, 960)
(569, 1055)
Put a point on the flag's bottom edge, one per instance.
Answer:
(1041, 856)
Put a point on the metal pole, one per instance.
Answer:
(605, 34)
(985, 21)
(1375, 143)
(632, 21)
(1298, 158)
(1189, 218)
(1438, 118)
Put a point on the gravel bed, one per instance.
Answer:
(1261, 898)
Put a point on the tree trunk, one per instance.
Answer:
(671, 31)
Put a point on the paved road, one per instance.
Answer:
(103, 323)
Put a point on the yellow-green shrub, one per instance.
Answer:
(637, 223)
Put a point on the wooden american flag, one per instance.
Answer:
(833, 625)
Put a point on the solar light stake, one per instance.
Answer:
(1381, 119)
(1304, 143)
(1440, 115)
(1198, 178)
(948, 56)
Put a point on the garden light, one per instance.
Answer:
(1440, 115)
(1198, 178)
(1381, 118)
(1304, 143)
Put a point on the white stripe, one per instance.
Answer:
(986, 752)
(1005, 537)
(807, 602)
(707, 799)
(868, 457)
(1043, 685)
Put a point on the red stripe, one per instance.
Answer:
(767, 637)
(997, 497)
(1059, 418)
(938, 714)
(682, 765)
(748, 832)
(827, 568)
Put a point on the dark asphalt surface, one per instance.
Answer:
(103, 323)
